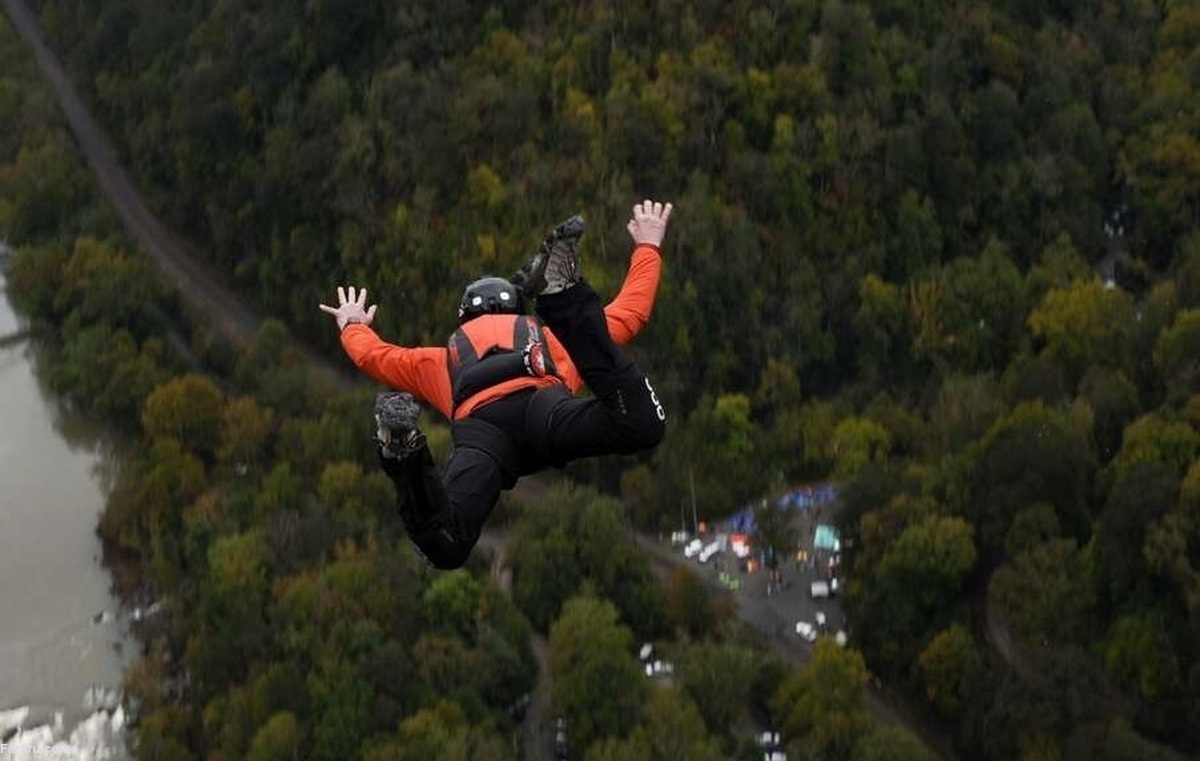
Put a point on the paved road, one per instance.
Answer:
(774, 618)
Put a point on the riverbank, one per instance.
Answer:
(64, 642)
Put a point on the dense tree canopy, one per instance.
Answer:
(946, 254)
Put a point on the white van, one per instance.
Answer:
(819, 590)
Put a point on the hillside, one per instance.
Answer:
(949, 257)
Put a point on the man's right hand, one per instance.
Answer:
(351, 310)
(649, 222)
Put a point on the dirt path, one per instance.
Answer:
(201, 286)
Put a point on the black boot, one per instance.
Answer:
(396, 430)
(555, 266)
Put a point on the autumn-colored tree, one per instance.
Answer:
(942, 664)
(1084, 324)
(188, 408)
(245, 432)
(688, 603)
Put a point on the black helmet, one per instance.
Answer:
(489, 295)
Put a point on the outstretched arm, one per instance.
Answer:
(420, 371)
(630, 310)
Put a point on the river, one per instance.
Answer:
(63, 638)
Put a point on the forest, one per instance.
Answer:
(947, 256)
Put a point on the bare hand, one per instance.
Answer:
(351, 310)
(649, 222)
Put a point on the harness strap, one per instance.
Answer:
(526, 355)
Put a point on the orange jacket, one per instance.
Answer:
(423, 371)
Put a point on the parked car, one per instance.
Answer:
(775, 755)
(693, 548)
(561, 751)
(821, 620)
(819, 590)
(806, 631)
(769, 740)
(833, 586)
(841, 638)
(659, 668)
(680, 537)
(707, 553)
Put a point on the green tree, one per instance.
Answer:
(823, 704)
(672, 729)
(103, 284)
(917, 243)
(1172, 545)
(714, 451)
(718, 677)
(572, 537)
(1114, 401)
(1060, 266)
(597, 683)
(916, 586)
(1154, 438)
(857, 442)
(1141, 495)
(981, 304)
(280, 490)
(354, 498)
(1032, 527)
(1114, 741)
(1032, 455)
(33, 275)
(453, 601)
(885, 742)
(443, 734)
(966, 407)
(1044, 594)
(879, 325)
(1177, 352)
(278, 740)
(1140, 655)
(143, 508)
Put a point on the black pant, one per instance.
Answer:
(528, 431)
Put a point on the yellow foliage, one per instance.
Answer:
(487, 247)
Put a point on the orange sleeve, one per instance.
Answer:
(629, 312)
(421, 372)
